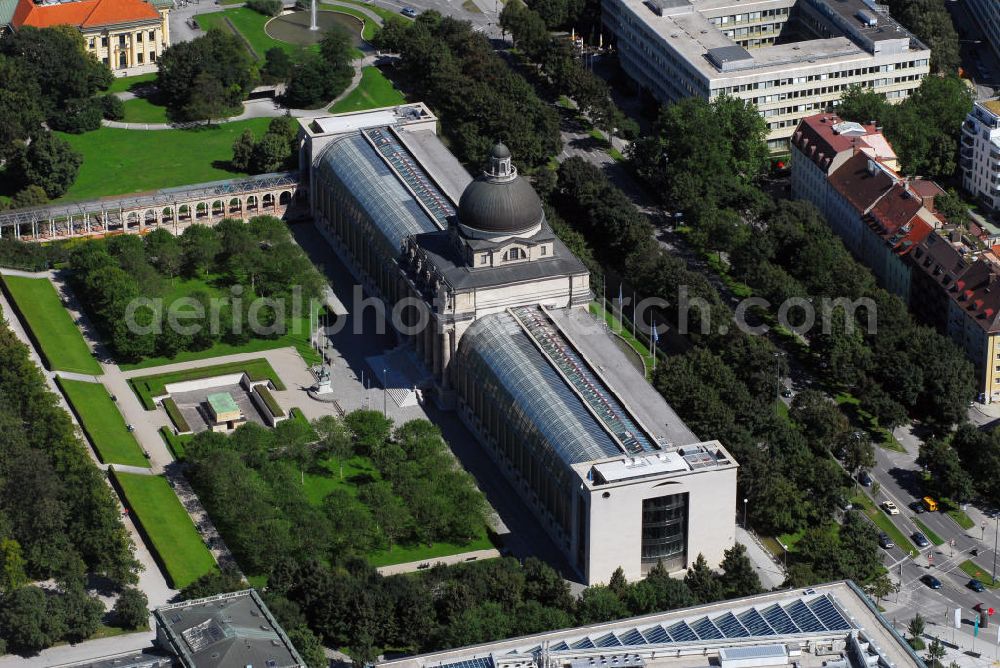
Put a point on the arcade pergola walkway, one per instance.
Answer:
(173, 208)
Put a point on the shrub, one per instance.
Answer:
(175, 416)
(112, 107)
(265, 7)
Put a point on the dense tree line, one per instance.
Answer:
(116, 278)
(58, 518)
(443, 607)
(924, 129)
(478, 97)
(206, 78)
(557, 61)
(930, 21)
(17, 254)
(416, 494)
(47, 76)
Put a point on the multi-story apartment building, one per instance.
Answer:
(980, 153)
(126, 35)
(788, 57)
(987, 15)
(946, 274)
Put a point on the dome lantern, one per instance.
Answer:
(499, 203)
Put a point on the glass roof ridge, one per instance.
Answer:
(608, 409)
(413, 176)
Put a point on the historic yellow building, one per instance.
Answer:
(127, 35)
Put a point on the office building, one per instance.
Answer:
(979, 153)
(790, 58)
(833, 625)
(612, 473)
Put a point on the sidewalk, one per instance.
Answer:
(771, 575)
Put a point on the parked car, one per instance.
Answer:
(917, 507)
(976, 586)
(865, 478)
(920, 539)
(890, 507)
(786, 392)
(885, 542)
(931, 581)
(409, 12)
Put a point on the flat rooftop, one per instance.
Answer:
(370, 118)
(687, 459)
(808, 626)
(686, 27)
(227, 630)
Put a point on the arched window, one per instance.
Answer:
(514, 254)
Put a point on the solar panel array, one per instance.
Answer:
(412, 174)
(800, 616)
(593, 391)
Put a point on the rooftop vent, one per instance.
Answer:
(867, 19)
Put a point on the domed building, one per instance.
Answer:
(611, 472)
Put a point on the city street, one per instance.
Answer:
(978, 60)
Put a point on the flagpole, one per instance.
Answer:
(633, 316)
(621, 309)
(653, 337)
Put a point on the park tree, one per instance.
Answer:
(526, 27)
(951, 206)
(863, 105)
(200, 245)
(738, 575)
(820, 418)
(936, 652)
(12, 575)
(207, 77)
(308, 645)
(81, 613)
(334, 439)
(859, 453)
(243, 149)
(618, 584)
(916, 626)
(277, 64)
(599, 603)
(31, 620)
(131, 609)
(947, 477)
(163, 250)
(210, 584)
(370, 430)
(268, 155)
(703, 582)
(21, 113)
(30, 195)
(51, 163)
(930, 21)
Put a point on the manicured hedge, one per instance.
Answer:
(269, 401)
(175, 416)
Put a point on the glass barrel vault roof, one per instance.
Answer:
(497, 345)
(391, 208)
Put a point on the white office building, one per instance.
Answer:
(791, 58)
(980, 153)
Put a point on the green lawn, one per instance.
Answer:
(399, 554)
(974, 570)
(147, 387)
(123, 84)
(102, 422)
(61, 344)
(931, 536)
(375, 90)
(867, 506)
(118, 161)
(386, 14)
(251, 25)
(141, 110)
(174, 538)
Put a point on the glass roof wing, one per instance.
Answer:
(612, 413)
(582, 643)
(413, 175)
(540, 395)
(803, 617)
(485, 662)
(730, 626)
(779, 620)
(832, 619)
(754, 623)
(352, 161)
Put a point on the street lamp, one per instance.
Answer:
(993, 578)
(745, 502)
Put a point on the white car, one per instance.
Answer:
(890, 507)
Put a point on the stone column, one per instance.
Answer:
(445, 358)
(436, 348)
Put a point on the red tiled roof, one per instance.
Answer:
(82, 13)
(856, 182)
(896, 208)
(815, 137)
